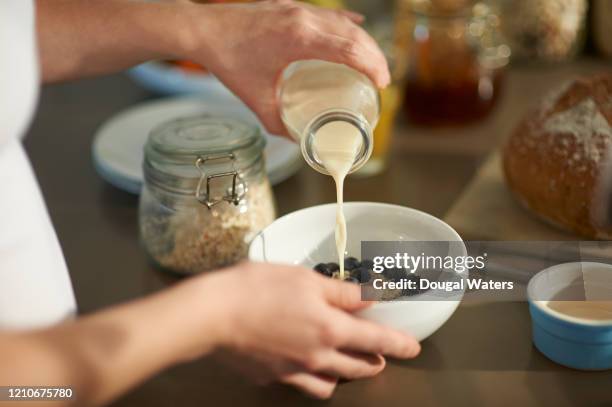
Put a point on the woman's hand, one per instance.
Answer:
(247, 46)
(292, 325)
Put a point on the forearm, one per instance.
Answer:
(79, 38)
(103, 355)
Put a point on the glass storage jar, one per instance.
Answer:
(544, 30)
(453, 60)
(206, 193)
(382, 31)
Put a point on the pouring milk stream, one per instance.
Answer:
(331, 110)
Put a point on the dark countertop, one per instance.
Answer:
(482, 356)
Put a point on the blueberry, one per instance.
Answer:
(362, 274)
(333, 266)
(323, 268)
(367, 263)
(351, 279)
(351, 263)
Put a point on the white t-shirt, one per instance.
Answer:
(35, 288)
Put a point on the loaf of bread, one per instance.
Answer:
(557, 162)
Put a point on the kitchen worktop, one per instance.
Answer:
(482, 356)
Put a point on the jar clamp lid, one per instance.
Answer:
(183, 155)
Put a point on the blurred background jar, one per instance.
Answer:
(381, 28)
(206, 193)
(544, 30)
(602, 26)
(380, 24)
(453, 60)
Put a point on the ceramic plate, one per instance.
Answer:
(171, 80)
(118, 143)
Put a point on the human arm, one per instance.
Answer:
(300, 333)
(245, 45)
(100, 356)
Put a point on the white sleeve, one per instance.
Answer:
(35, 288)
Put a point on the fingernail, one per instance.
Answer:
(384, 363)
(385, 82)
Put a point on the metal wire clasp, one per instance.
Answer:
(234, 196)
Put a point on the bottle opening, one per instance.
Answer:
(338, 133)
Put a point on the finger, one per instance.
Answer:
(352, 52)
(357, 18)
(269, 114)
(343, 295)
(336, 13)
(368, 337)
(350, 30)
(315, 385)
(358, 45)
(351, 365)
(341, 14)
(265, 105)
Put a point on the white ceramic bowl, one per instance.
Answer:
(306, 237)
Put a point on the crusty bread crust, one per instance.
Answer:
(552, 161)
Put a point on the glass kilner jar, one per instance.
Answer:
(206, 193)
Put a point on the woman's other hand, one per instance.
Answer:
(289, 324)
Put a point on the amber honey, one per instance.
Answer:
(453, 61)
(462, 100)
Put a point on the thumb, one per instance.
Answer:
(343, 295)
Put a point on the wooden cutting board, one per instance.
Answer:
(486, 210)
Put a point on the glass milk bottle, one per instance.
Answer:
(315, 94)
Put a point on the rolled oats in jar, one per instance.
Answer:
(545, 30)
(206, 193)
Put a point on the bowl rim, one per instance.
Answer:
(387, 304)
(542, 305)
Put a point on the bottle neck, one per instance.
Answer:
(360, 124)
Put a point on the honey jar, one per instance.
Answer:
(453, 60)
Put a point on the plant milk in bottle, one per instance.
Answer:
(331, 110)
